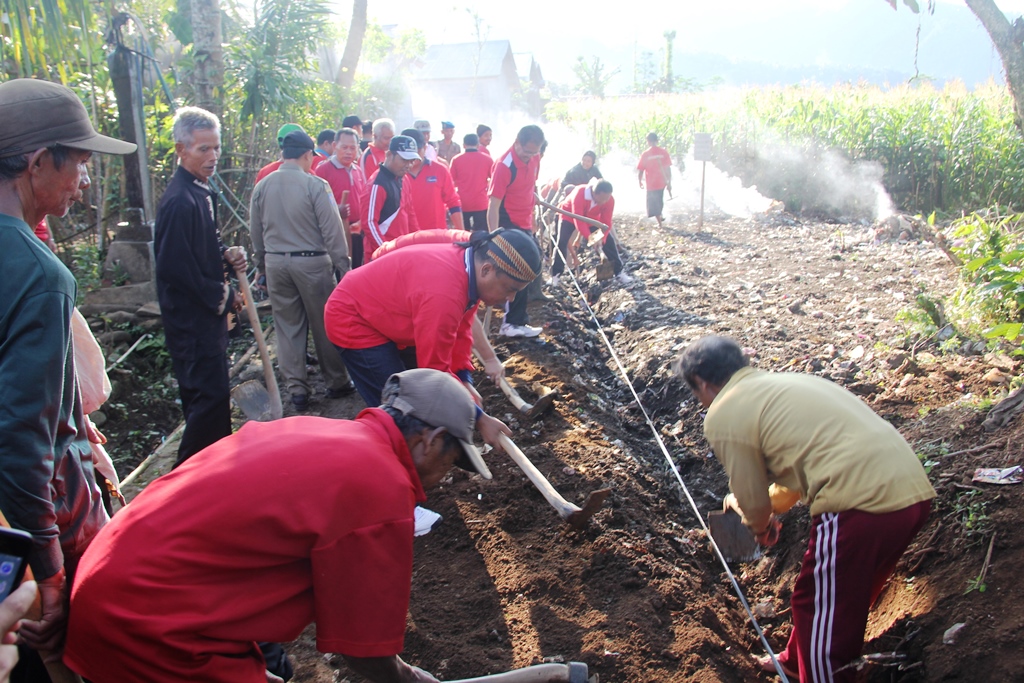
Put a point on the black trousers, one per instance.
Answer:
(357, 250)
(205, 400)
(565, 231)
(475, 220)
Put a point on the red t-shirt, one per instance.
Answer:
(581, 202)
(341, 179)
(471, 172)
(433, 195)
(42, 230)
(416, 296)
(654, 163)
(252, 539)
(440, 236)
(371, 160)
(514, 183)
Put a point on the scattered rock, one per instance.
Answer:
(950, 636)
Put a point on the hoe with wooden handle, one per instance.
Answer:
(257, 402)
(575, 516)
(573, 672)
(529, 410)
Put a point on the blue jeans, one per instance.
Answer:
(370, 368)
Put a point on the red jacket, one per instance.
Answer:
(341, 179)
(514, 183)
(387, 211)
(471, 172)
(371, 160)
(432, 193)
(581, 202)
(416, 296)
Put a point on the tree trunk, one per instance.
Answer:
(208, 52)
(1008, 42)
(353, 46)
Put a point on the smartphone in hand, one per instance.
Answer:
(15, 546)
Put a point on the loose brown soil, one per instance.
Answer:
(503, 583)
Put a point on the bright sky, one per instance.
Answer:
(556, 32)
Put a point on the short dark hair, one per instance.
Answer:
(347, 131)
(652, 137)
(326, 135)
(603, 187)
(590, 153)
(471, 140)
(411, 426)
(367, 127)
(531, 133)
(481, 129)
(352, 121)
(12, 167)
(714, 359)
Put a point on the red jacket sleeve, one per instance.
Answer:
(448, 194)
(371, 217)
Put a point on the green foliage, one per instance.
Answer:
(86, 263)
(591, 77)
(970, 513)
(947, 150)
(44, 39)
(992, 249)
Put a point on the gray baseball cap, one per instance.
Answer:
(39, 114)
(440, 400)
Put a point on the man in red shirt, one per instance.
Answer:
(592, 201)
(432, 190)
(415, 308)
(342, 173)
(173, 591)
(388, 212)
(373, 155)
(512, 191)
(471, 173)
(655, 170)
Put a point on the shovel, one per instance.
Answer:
(573, 672)
(735, 540)
(256, 401)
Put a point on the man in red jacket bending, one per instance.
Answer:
(415, 307)
(592, 201)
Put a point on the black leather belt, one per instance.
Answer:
(298, 253)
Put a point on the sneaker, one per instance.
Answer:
(624, 278)
(301, 402)
(342, 392)
(554, 281)
(507, 330)
(425, 521)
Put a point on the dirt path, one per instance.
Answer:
(501, 583)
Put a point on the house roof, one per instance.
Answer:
(466, 60)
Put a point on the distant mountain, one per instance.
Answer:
(834, 43)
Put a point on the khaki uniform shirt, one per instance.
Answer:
(813, 437)
(293, 211)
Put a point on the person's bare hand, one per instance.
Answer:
(495, 370)
(491, 429)
(48, 632)
(272, 678)
(418, 675)
(92, 433)
(770, 536)
(239, 302)
(12, 609)
(343, 210)
(235, 256)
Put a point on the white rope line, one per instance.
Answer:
(668, 458)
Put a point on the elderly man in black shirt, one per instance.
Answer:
(195, 296)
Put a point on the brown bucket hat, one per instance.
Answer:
(39, 114)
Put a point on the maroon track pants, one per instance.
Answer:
(849, 557)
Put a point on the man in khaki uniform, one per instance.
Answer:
(299, 240)
(810, 438)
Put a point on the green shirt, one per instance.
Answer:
(812, 436)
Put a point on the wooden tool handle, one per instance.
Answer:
(541, 673)
(513, 396)
(564, 507)
(276, 409)
(589, 221)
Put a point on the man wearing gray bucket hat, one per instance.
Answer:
(48, 486)
(175, 591)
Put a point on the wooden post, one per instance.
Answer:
(702, 153)
(124, 75)
(703, 171)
